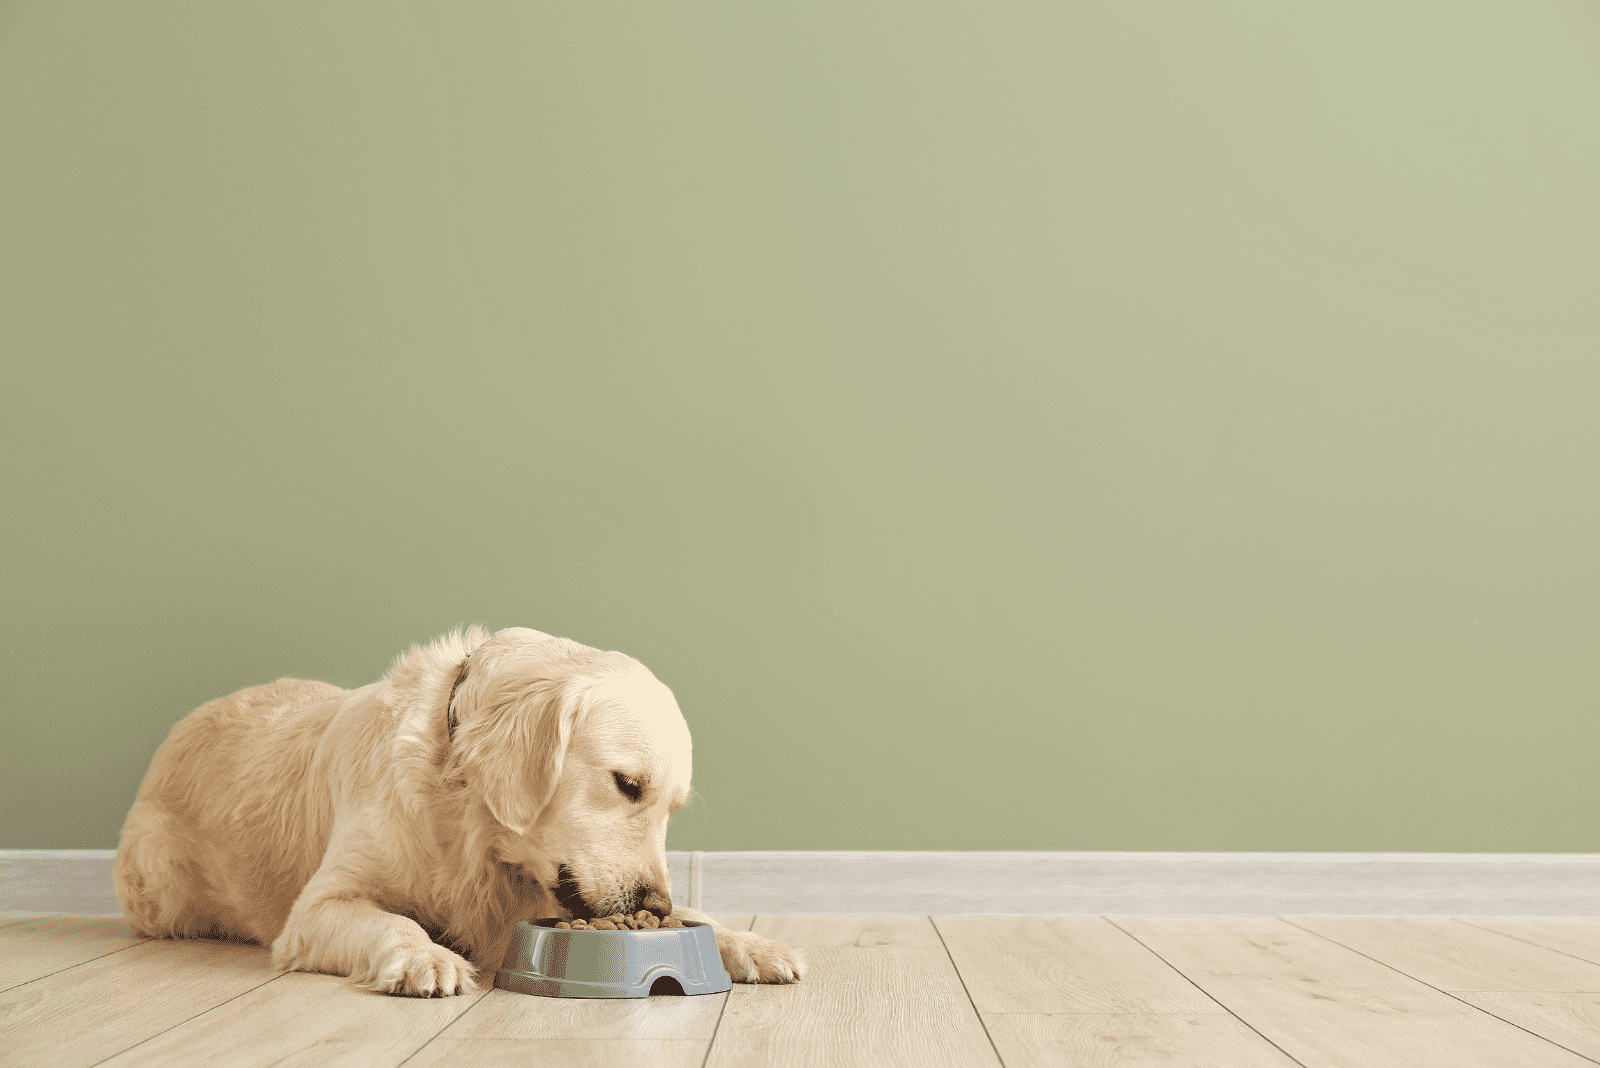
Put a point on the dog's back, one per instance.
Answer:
(204, 852)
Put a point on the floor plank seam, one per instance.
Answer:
(1529, 941)
(181, 1023)
(711, 1045)
(1214, 1000)
(726, 997)
(80, 964)
(458, 1018)
(963, 980)
(1446, 993)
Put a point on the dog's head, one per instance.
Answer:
(580, 757)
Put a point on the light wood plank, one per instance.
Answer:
(42, 945)
(1123, 1040)
(906, 932)
(882, 1006)
(81, 1016)
(878, 994)
(1330, 1007)
(560, 1053)
(1063, 964)
(301, 1018)
(1580, 938)
(9, 918)
(1570, 1020)
(504, 1015)
(1456, 956)
(910, 1012)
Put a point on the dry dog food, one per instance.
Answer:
(641, 921)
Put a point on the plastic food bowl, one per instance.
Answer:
(554, 963)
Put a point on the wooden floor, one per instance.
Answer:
(920, 991)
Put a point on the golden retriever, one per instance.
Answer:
(395, 833)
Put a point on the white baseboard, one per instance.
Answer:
(1021, 883)
(57, 880)
(1041, 883)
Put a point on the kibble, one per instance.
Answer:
(643, 921)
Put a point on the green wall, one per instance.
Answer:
(1005, 425)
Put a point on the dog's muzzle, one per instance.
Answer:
(647, 898)
(568, 897)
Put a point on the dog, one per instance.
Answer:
(396, 833)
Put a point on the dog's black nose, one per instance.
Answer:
(654, 901)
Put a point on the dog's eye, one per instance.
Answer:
(632, 790)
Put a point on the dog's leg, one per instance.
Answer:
(332, 929)
(379, 950)
(161, 892)
(749, 957)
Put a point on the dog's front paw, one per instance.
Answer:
(751, 958)
(421, 971)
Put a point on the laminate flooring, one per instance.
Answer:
(889, 991)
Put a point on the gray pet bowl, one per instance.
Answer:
(554, 963)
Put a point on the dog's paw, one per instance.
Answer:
(751, 958)
(421, 971)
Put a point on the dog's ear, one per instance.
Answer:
(510, 747)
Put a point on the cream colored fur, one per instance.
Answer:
(348, 831)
